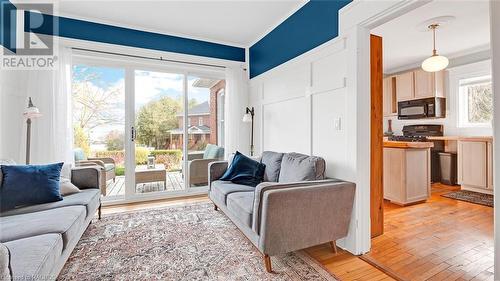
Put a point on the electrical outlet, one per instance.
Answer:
(337, 124)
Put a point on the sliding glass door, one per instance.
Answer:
(151, 128)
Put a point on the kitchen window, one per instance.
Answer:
(475, 101)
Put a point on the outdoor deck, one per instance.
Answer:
(174, 182)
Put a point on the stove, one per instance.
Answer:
(419, 133)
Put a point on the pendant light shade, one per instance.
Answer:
(435, 62)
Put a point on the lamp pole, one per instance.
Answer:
(251, 111)
(31, 112)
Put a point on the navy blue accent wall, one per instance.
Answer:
(7, 25)
(84, 30)
(312, 25)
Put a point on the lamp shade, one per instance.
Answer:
(32, 112)
(247, 118)
(435, 63)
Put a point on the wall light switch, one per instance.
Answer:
(337, 124)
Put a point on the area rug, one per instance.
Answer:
(471, 196)
(189, 242)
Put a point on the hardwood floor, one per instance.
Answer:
(443, 239)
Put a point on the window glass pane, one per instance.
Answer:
(477, 99)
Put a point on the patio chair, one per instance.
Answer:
(198, 164)
(107, 165)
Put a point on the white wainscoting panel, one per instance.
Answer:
(286, 126)
(325, 77)
(287, 84)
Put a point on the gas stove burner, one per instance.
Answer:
(408, 138)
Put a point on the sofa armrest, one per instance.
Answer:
(294, 216)
(215, 171)
(89, 163)
(105, 160)
(86, 177)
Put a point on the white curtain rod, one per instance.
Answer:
(148, 58)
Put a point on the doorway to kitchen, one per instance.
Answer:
(431, 145)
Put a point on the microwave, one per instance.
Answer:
(422, 108)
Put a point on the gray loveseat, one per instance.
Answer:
(295, 207)
(41, 237)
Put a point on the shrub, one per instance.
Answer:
(170, 158)
(117, 155)
(120, 170)
(141, 155)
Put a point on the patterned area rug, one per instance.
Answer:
(472, 197)
(189, 242)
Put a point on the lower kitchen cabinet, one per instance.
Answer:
(407, 175)
(475, 165)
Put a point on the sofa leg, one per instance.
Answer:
(99, 211)
(215, 207)
(333, 244)
(267, 262)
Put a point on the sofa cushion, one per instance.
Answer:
(5, 268)
(299, 167)
(221, 189)
(67, 221)
(86, 197)
(29, 184)
(244, 170)
(272, 160)
(35, 257)
(240, 204)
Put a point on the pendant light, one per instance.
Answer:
(435, 62)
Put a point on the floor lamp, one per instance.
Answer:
(247, 118)
(30, 113)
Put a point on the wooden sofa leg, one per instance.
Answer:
(99, 211)
(215, 207)
(333, 244)
(267, 262)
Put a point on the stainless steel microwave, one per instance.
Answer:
(422, 108)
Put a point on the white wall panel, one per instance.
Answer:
(287, 84)
(327, 140)
(286, 126)
(325, 77)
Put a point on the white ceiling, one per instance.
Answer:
(405, 44)
(238, 23)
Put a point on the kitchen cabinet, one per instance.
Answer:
(407, 173)
(429, 84)
(475, 165)
(419, 84)
(405, 89)
(390, 103)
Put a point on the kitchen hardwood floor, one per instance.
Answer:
(442, 239)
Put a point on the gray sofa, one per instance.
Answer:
(41, 237)
(295, 208)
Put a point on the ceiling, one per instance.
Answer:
(406, 43)
(238, 23)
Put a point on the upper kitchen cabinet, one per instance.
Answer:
(405, 86)
(419, 84)
(429, 84)
(390, 102)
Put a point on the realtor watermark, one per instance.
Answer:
(29, 36)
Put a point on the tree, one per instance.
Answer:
(115, 140)
(192, 103)
(155, 120)
(81, 139)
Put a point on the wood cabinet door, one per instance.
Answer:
(405, 89)
(395, 180)
(424, 84)
(388, 89)
(473, 163)
(490, 165)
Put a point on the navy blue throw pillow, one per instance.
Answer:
(244, 170)
(29, 184)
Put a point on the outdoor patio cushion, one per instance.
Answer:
(213, 152)
(86, 197)
(299, 167)
(109, 166)
(35, 257)
(79, 154)
(221, 189)
(67, 221)
(241, 206)
(272, 160)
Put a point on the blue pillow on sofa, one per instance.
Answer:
(244, 170)
(29, 184)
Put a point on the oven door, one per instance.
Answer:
(408, 110)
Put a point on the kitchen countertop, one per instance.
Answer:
(407, 144)
(463, 138)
